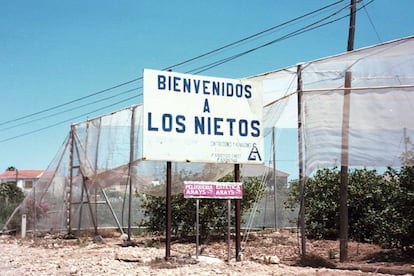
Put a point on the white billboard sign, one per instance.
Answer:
(191, 118)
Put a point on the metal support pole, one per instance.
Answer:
(35, 211)
(81, 207)
(301, 170)
(238, 211)
(69, 187)
(131, 160)
(24, 223)
(274, 174)
(112, 210)
(168, 213)
(343, 189)
(228, 228)
(94, 221)
(197, 226)
(98, 140)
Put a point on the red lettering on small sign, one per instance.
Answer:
(218, 190)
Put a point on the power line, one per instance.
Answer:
(294, 33)
(302, 30)
(65, 121)
(253, 36)
(372, 23)
(177, 64)
(69, 102)
(71, 109)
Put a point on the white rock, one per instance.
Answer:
(73, 269)
(274, 260)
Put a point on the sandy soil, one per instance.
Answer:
(265, 253)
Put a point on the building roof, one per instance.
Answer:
(259, 170)
(21, 174)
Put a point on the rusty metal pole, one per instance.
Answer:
(238, 211)
(168, 213)
(300, 157)
(68, 191)
(274, 175)
(130, 168)
(168, 209)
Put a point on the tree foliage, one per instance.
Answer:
(397, 217)
(379, 206)
(212, 212)
(10, 197)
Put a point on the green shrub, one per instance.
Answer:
(212, 212)
(10, 197)
(380, 207)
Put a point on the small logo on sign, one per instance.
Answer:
(254, 154)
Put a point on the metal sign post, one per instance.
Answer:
(197, 226)
(168, 213)
(228, 228)
(216, 190)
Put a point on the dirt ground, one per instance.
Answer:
(264, 253)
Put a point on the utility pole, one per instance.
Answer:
(343, 190)
(351, 32)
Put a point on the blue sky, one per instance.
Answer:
(55, 52)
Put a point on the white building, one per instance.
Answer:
(24, 179)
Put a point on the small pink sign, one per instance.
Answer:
(219, 190)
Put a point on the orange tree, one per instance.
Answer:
(379, 206)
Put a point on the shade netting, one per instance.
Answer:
(377, 121)
(356, 109)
